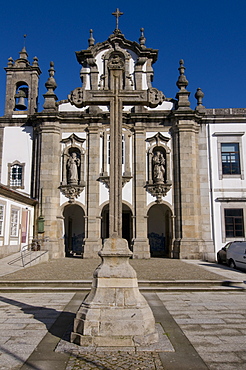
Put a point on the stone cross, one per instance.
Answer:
(116, 97)
(117, 14)
(114, 293)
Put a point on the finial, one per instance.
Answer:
(49, 96)
(117, 14)
(51, 83)
(91, 40)
(182, 83)
(10, 62)
(35, 62)
(142, 39)
(199, 95)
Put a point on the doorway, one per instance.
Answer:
(74, 222)
(126, 223)
(160, 230)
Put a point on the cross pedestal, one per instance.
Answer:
(115, 313)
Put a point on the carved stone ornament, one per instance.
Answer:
(116, 61)
(158, 190)
(71, 191)
(155, 97)
(76, 97)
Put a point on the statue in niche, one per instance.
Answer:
(158, 162)
(72, 169)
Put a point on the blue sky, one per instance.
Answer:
(208, 35)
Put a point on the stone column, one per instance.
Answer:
(141, 247)
(93, 242)
(49, 182)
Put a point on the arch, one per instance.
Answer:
(160, 230)
(127, 224)
(74, 226)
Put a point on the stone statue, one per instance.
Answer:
(158, 167)
(72, 166)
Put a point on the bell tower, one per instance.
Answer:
(22, 85)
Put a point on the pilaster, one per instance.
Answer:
(188, 233)
(93, 242)
(49, 182)
(141, 247)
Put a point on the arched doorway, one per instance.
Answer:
(160, 230)
(126, 223)
(74, 222)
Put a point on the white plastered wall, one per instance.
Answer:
(225, 187)
(17, 146)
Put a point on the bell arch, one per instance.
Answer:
(160, 232)
(74, 229)
(21, 96)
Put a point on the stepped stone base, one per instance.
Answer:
(114, 313)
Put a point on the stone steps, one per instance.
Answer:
(144, 286)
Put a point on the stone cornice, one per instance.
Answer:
(13, 194)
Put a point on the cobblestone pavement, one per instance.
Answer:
(110, 361)
(215, 324)
(82, 269)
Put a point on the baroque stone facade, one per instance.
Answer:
(167, 194)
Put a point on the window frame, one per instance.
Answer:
(230, 156)
(16, 223)
(234, 223)
(232, 203)
(230, 138)
(10, 167)
(2, 221)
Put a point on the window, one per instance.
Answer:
(1, 218)
(14, 222)
(234, 222)
(122, 149)
(16, 174)
(230, 159)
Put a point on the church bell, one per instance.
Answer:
(20, 97)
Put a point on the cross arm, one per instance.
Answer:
(151, 97)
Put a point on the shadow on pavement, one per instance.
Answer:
(47, 316)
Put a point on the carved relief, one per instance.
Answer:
(116, 61)
(76, 97)
(155, 97)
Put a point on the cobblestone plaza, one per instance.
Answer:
(202, 328)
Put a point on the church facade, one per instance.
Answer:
(183, 185)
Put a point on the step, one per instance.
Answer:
(144, 286)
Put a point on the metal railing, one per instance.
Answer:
(27, 252)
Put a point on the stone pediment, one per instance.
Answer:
(115, 41)
(158, 139)
(72, 139)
